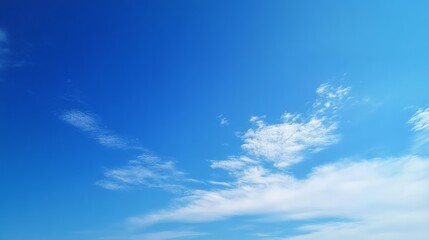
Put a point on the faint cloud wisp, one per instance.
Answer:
(3, 49)
(223, 120)
(89, 123)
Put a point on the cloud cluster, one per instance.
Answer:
(377, 199)
(287, 143)
(290, 141)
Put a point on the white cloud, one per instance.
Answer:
(146, 170)
(362, 192)
(330, 98)
(225, 184)
(89, 123)
(376, 199)
(289, 142)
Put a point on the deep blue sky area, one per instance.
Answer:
(90, 89)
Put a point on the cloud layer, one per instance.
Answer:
(358, 191)
(377, 199)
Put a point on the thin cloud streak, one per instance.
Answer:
(89, 123)
(146, 170)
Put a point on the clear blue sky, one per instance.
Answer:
(153, 120)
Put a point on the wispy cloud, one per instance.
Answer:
(223, 120)
(3, 49)
(146, 170)
(420, 120)
(233, 164)
(6, 56)
(225, 184)
(383, 198)
(89, 123)
(420, 125)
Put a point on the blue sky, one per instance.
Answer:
(272, 120)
